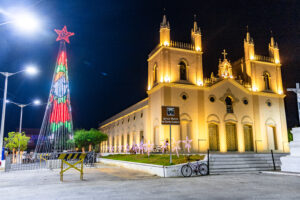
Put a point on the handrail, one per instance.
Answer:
(207, 161)
(274, 166)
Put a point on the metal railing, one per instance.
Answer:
(42, 161)
(182, 45)
(207, 161)
(264, 58)
(174, 44)
(274, 165)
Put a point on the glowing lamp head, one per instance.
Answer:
(251, 57)
(277, 61)
(37, 102)
(280, 92)
(254, 89)
(198, 49)
(30, 69)
(166, 43)
(26, 22)
(200, 83)
(167, 79)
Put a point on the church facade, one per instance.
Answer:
(239, 109)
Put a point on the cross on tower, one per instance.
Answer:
(297, 91)
(224, 53)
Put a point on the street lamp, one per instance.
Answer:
(23, 20)
(36, 103)
(30, 70)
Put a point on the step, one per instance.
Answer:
(242, 162)
(240, 166)
(240, 170)
(246, 155)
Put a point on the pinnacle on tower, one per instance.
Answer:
(196, 29)
(273, 50)
(165, 32)
(196, 36)
(165, 23)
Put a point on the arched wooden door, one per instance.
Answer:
(231, 137)
(272, 138)
(213, 133)
(248, 138)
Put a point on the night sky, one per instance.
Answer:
(107, 57)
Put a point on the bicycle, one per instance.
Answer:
(188, 169)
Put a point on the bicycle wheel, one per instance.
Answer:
(203, 169)
(186, 171)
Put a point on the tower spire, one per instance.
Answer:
(196, 36)
(272, 39)
(164, 32)
(273, 50)
(247, 35)
(195, 27)
(164, 23)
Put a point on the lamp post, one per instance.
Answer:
(26, 22)
(30, 70)
(21, 106)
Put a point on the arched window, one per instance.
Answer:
(229, 107)
(155, 74)
(267, 80)
(182, 69)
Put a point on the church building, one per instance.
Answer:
(240, 109)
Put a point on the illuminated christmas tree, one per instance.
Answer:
(57, 126)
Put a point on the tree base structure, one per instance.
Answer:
(71, 160)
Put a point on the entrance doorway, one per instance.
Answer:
(231, 137)
(248, 138)
(272, 138)
(185, 131)
(142, 137)
(213, 134)
(156, 135)
(128, 139)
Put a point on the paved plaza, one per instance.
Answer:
(108, 182)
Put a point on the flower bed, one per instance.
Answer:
(156, 159)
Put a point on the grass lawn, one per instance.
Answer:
(156, 159)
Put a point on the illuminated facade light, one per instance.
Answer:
(200, 83)
(277, 61)
(198, 49)
(166, 43)
(149, 87)
(254, 89)
(280, 92)
(251, 57)
(161, 79)
(167, 79)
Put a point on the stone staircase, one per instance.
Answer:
(240, 163)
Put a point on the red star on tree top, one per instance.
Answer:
(63, 34)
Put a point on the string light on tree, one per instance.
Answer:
(57, 126)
